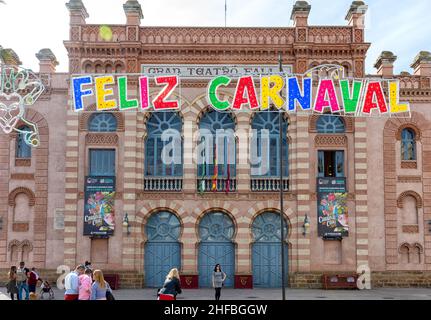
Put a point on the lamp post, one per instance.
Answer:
(280, 127)
(126, 223)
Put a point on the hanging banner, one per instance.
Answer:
(332, 210)
(99, 210)
(332, 215)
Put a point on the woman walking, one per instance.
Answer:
(99, 287)
(218, 279)
(171, 287)
(12, 286)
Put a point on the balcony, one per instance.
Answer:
(268, 184)
(163, 183)
(221, 184)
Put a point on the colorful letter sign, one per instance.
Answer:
(285, 92)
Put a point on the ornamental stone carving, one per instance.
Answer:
(409, 179)
(101, 139)
(330, 140)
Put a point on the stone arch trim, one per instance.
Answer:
(200, 106)
(391, 199)
(349, 123)
(20, 244)
(410, 193)
(85, 117)
(13, 243)
(419, 246)
(180, 112)
(404, 245)
(14, 193)
(409, 126)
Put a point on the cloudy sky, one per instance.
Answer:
(403, 27)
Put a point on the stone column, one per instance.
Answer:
(385, 64)
(422, 64)
(47, 61)
(78, 13)
(134, 15)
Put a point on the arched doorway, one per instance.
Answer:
(162, 250)
(216, 230)
(266, 255)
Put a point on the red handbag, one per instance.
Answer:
(163, 296)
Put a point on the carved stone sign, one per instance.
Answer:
(210, 70)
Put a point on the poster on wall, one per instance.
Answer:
(332, 215)
(99, 209)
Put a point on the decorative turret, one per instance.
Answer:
(8, 56)
(422, 64)
(300, 12)
(356, 14)
(78, 12)
(385, 64)
(47, 61)
(133, 11)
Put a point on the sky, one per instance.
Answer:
(402, 27)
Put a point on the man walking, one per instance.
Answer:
(21, 275)
(71, 283)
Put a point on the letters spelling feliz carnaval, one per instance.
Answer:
(352, 96)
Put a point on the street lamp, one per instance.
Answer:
(280, 126)
(126, 223)
(306, 225)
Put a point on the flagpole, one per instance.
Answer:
(225, 11)
(280, 121)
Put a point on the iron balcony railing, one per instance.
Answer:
(268, 184)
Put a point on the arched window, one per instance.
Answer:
(266, 147)
(408, 144)
(330, 124)
(23, 150)
(163, 147)
(102, 122)
(218, 138)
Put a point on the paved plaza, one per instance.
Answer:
(271, 294)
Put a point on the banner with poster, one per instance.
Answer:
(99, 209)
(332, 215)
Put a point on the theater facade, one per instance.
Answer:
(160, 216)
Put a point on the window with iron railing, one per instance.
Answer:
(216, 153)
(163, 152)
(265, 152)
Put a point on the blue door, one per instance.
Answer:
(216, 231)
(162, 250)
(211, 253)
(266, 252)
(160, 258)
(267, 265)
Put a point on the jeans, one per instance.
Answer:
(23, 285)
(32, 288)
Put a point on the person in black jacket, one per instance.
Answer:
(172, 284)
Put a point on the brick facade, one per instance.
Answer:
(378, 180)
